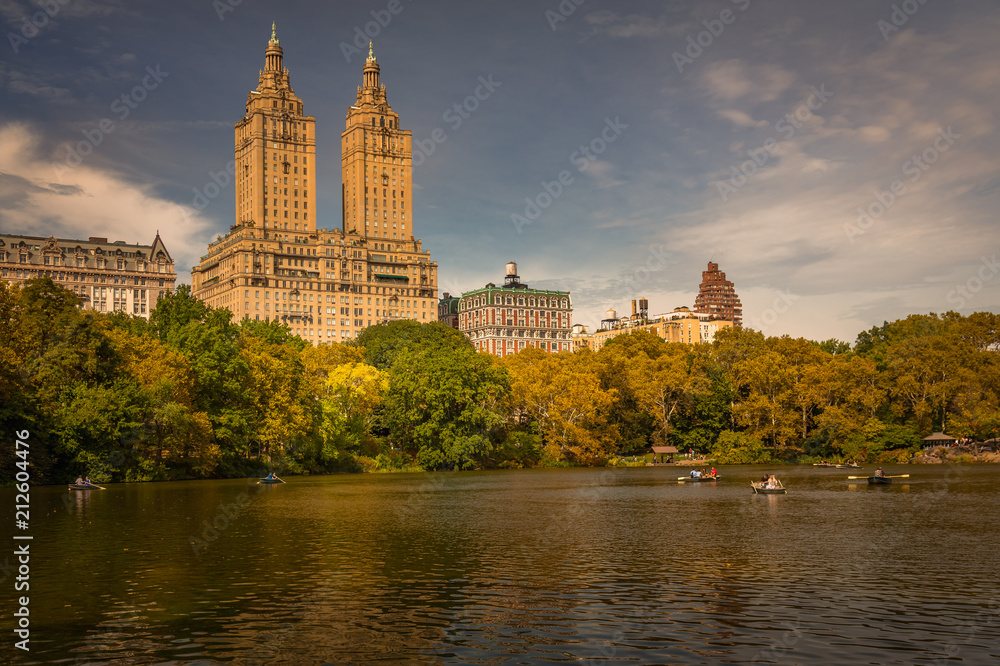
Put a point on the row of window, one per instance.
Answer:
(102, 264)
(479, 301)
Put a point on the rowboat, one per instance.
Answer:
(697, 479)
(274, 480)
(879, 481)
(84, 486)
(823, 465)
(761, 489)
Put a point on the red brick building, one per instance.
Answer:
(717, 297)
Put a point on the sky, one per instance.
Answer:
(840, 161)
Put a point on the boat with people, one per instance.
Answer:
(84, 483)
(880, 478)
(768, 486)
(697, 476)
(270, 478)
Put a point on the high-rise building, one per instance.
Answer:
(717, 297)
(504, 320)
(108, 277)
(376, 164)
(276, 153)
(277, 263)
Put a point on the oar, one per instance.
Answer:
(898, 476)
(95, 486)
(857, 477)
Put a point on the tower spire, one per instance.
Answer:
(273, 53)
(371, 68)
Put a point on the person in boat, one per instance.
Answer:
(79, 480)
(772, 482)
(694, 474)
(879, 473)
(270, 476)
(86, 481)
(714, 473)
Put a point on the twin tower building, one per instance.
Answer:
(276, 263)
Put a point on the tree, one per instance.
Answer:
(446, 403)
(669, 382)
(563, 393)
(276, 393)
(352, 395)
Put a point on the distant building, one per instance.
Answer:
(504, 320)
(276, 263)
(717, 297)
(108, 277)
(448, 309)
(681, 325)
(581, 337)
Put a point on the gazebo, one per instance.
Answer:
(938, 439)
(663, 451)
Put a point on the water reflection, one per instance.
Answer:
(522, 567)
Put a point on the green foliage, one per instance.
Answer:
(738, 448)
(444, 401)
(191, 394)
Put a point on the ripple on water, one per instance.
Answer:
(622, 566)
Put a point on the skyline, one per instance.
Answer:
(836, 163)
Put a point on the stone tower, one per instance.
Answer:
(275, 154)
(376, 164)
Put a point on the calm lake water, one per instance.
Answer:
(519, 567)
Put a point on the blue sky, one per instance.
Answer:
(839, 160)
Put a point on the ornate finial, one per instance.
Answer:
(371, 50)
(274, 33)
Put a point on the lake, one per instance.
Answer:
(519, 567)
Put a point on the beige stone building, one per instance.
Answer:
(504, 320)
(681, 325)
(276, 264)
(108, 277)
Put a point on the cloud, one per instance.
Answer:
(735, 79)
(635, 25)
(85, 201)
(741, 119)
